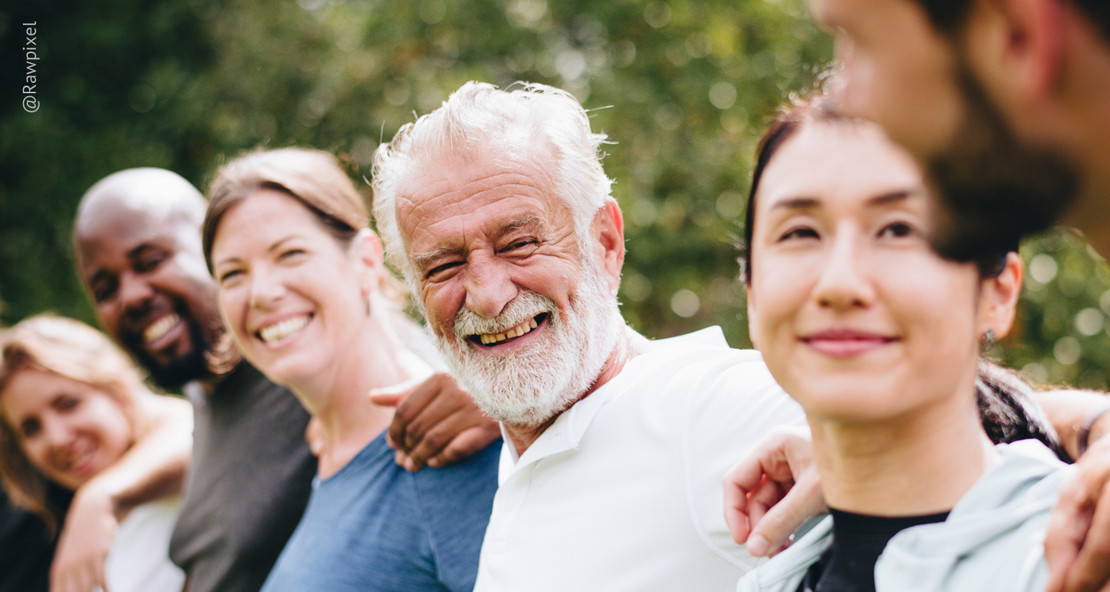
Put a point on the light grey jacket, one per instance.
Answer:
(992, 540)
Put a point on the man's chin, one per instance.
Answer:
(178, 372)
(172, 372)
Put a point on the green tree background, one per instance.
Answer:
(683, 88)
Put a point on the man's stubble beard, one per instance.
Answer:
(995, 188)
(212, 353)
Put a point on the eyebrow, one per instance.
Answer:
(142, 248)
(276, 245)
(518, 223)
(882, 199)
(891, 197)
(422, 260)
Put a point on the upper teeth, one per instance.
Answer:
(160, 327)
(516, 331)
(282, 329)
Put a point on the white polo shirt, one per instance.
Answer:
(623, 491)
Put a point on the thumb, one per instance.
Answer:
(784, 518)
(392, 395)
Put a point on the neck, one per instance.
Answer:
(348, 421)
(629, 345)
(919, 464)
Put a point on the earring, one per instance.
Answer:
(987, 339)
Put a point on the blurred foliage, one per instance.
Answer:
(682, 88)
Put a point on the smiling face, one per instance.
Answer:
(852, 310)
(68, 430)
(523, 318)
(141, 261)
(291, 294)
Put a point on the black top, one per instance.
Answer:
(249, 483)
(857, 540)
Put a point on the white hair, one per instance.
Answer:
(476, 117)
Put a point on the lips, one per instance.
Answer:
(275, 332)
(845, 343)
(508, 334)
(76, 462)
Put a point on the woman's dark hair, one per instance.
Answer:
(1008, 410)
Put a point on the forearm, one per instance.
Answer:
(155, 465)
(1070, 411)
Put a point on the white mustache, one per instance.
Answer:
(526, 306)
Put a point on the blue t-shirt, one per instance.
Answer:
(375, 526)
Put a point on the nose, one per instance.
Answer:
(266, 287)
(135, 292)
(56, 434)
(488, 286)
(844, 282)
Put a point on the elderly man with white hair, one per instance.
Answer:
(497, 211)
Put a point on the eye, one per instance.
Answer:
(29, 428)
(228, 275)
(442, 271)
(520, 244)
(103, 290)
(291, 254)
(798, 233)
(896, 230)
(66, 402)
(149, 261)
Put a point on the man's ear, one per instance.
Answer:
(608, 232)
(1017, 46)
(1000, 297)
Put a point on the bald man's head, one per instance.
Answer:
(137, 240)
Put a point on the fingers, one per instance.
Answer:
(1067, 526)
(467, 443)
(783, 518)
(756, 488)
(438, 423)
(391, 396)
(736, 488)
(396, 396)
(1077, 543)
(433, 413)
(1091, 568)
(752, 485)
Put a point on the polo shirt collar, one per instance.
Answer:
(567, 431)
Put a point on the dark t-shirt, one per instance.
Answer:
(249, 483)
(848, 564)
(26, 550)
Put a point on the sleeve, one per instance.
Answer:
(732, 406)
(457, 501)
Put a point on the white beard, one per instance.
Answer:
(535, 384)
